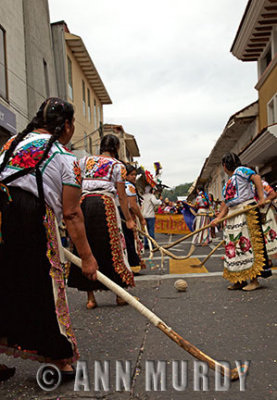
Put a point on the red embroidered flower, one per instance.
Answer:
(230, 250)
(28, 157)
(230, 191)
(272, 234)
(244, 244)
(103, 170)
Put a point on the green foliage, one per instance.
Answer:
(180, 190)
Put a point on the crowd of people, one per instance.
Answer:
(42, 185)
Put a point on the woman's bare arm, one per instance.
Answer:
(123, 201)
(135, 209)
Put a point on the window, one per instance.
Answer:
(84, 97)
(95, 115)
(3, 65)
(272, 110)
(89, 110)
(85, 141)
(268, 57)
(70, 83)
(46, 78)
(265, 60)
(99, 114)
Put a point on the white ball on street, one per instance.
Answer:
(180, 285)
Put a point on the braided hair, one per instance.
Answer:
(51, 116)
(231, 161)
(110, 143)
(130, 168)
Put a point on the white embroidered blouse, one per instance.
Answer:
(60, 168)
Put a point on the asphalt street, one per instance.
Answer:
(214, 264)
(226, 325)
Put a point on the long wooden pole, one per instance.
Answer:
(156, 321)
(158, 247)
(209, 255)
(244, 210)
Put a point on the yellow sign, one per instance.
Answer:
(171, 223)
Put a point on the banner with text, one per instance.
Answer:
(171, 223)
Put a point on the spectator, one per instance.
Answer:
(150, 202)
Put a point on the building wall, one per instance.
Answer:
(217, 182)
(11, 19)
(266, 92)
(39, 49)
(82, 123)
(59, 49)
(248, 133)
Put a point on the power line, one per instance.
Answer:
(18, 108)
(100, 129)
(22, 80)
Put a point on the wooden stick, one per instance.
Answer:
(191, 251)
(149, 242)
(235, 214)
(195, 352)
(158, 247)
(209, 255)
(187, 346)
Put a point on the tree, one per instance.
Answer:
(180, 190)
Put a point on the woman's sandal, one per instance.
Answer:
(251, 286)
(237, 285)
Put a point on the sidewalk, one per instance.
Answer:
(226, 325)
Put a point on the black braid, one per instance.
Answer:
(130, 168)
(51, 115)
(29, 128)
(231, 161)
(110, 143)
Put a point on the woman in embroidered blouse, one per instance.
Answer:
(202, 204)
(103, 177)
(245, 251)
(269, 220)
(133, 242)
(40, 181)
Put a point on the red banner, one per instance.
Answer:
(171, 223)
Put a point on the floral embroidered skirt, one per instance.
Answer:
(270, 231)
(34, 316)
(106, 239)
(203, 237)
(245, 250)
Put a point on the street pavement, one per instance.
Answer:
(226, 325)
(213, 264)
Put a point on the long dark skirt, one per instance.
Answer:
(133, 245)
(105, 240)
(133, 257)
(31, 318)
